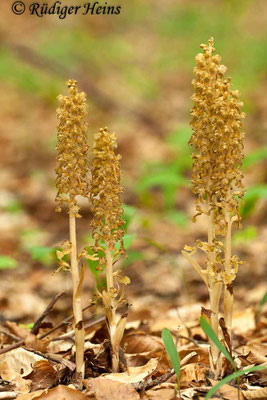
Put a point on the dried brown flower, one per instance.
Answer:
(217, 137)
(72, 162)
(105, 193)
(217, 181)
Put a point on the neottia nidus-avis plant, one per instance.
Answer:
(107, 224)
(72, 181)
(217, 181)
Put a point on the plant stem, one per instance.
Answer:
(228, 292)
(112, 320)
(215, 290)
(77, 306)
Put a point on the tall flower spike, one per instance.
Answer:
(72, 181)
(108, 230)
(72, 168)
(217, 180)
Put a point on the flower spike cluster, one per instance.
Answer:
(217, 137)
(72, 167)
(105, 192)
(217, 181)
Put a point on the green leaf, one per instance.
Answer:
(231, 377)
(128, 239)
(172, 352)
(254, 157)
(245, 235)
(7, 262)
(27, 326)
(128, 215)
(133, 255)
(162, 179)
(212, 335)
(252, 195)
(177, 217)
(263, 300)
(42, 254)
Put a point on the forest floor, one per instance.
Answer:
(150, 113)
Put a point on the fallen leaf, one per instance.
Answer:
(17, 364)
(106, 389)
(244, 320)
(134, 374)
(160, 393)
(136, 343)
(44, 375)
(195, 372)
(58, 393)
(255, 394)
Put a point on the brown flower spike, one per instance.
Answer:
(72, 168)
(217, 179)
(107, 224)
(105, 193)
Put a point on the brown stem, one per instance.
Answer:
(215, 290)
(77, 306)
(112, 320)
(228, 292)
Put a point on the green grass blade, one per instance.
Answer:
(172, 352)
(230, 378)
(263, 300)
(212, 335)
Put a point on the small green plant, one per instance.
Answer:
(132, 255)
(217, 182)
(214, 338)
(251, 197)
(44, 254)
(168, 177)
(260, 306)
(172, 353)
(231, 377)
(7, 262)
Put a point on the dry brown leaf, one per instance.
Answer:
(44, 375)
(134, 374)
(160, 393)
(228, 392)
(195, 372)
(201, 357)
(58, 393)
(17, 364)
(8, 395)
(32, 342)
(18, 360)
(106, 389)
(136, 343)
(17, 330)
(255, 394)
(244, 320)
(59, 346)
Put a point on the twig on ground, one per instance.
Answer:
(71, 333)
(35, 326)
(63, 323)
(48, 309)
(63, 361)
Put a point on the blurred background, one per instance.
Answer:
(136, 69)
